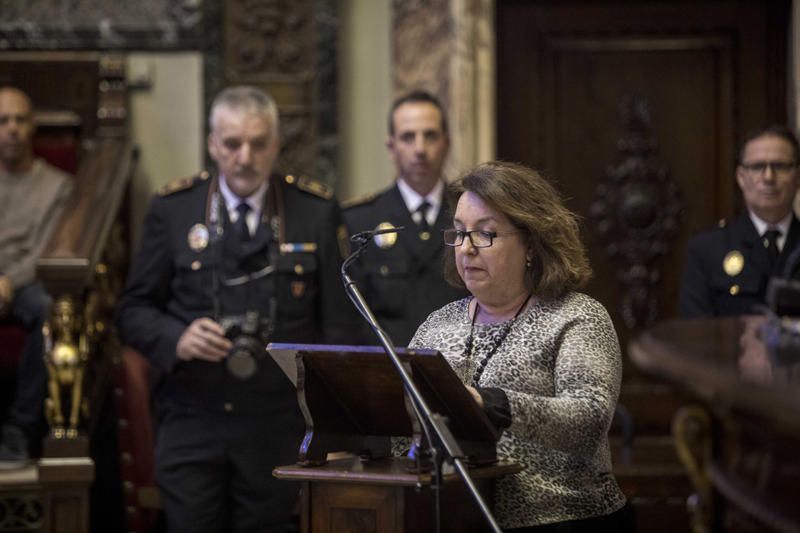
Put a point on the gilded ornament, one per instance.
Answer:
(733, 263)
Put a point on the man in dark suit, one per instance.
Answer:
(217, 247)
(727, 268)
(401, 274)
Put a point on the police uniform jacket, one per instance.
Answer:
(172, 282)
(727, 269)
(402, 282)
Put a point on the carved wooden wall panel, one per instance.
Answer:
(637, 211)
(645, 184)
(565, 70)
(269, 40)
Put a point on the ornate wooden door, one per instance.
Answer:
(635, 110)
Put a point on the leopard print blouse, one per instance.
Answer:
(560, 367)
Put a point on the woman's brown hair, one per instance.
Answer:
(559, 262)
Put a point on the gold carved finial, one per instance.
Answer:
(66, 354)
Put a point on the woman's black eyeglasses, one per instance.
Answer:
(478, 238)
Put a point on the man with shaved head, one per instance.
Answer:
(32, 194)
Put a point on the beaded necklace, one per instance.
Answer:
(506, 330)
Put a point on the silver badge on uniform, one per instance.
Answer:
(385, 240)
(198, 237)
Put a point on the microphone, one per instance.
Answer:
(364, 236)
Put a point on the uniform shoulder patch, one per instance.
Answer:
(359, 200)
(309, 185)
(366, 199)
(181, 184)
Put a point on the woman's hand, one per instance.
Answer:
(477, 397)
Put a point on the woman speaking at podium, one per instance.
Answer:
(543, 360)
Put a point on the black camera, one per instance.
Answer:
(249, 334)
(781, 332)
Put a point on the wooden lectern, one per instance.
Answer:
(353, 401)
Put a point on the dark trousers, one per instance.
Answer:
(31, 308)
(215, 471)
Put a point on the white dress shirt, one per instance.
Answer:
(255, 201)
(413, 200)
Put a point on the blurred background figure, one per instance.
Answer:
(32, 195)
(401, 274)
(727, 268)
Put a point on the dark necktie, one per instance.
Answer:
(771, 244)
(241, 223)
(422, 211)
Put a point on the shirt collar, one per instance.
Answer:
(232, 201)
(762, 226)
(413, 199)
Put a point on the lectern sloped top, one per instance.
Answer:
(353, 399)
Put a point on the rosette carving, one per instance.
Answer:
(636, 211)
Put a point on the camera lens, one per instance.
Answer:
(241, 364)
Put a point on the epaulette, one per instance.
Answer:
(359, 200)
(317, 188)
(367, 198)
(723, 222)
(181, 184)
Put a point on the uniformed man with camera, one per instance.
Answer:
(228, 261)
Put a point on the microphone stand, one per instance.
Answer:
(433, 424)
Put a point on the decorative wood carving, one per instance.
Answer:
(66, 357)
(269, 39)
(691, 429)
(274, 44)
(20, 512)
(637, 210)
(76, 341)
(757, 475)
